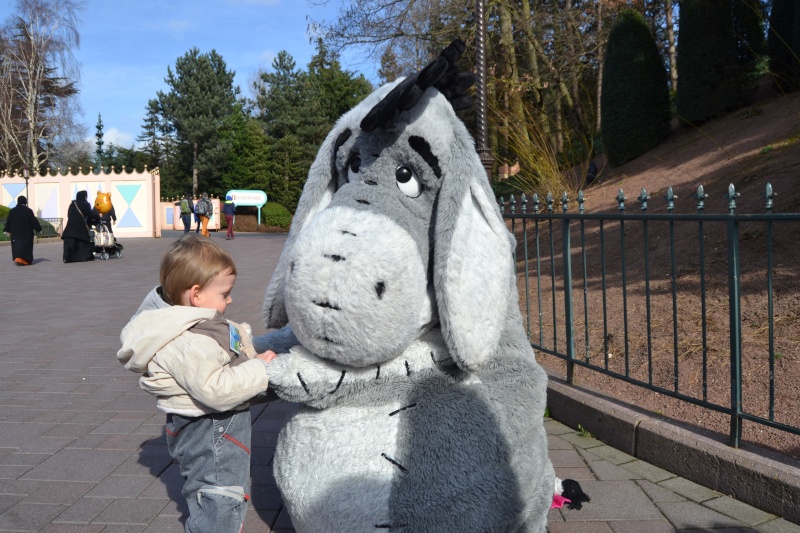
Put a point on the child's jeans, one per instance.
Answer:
(214, 455)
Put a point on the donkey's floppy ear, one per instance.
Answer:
(473, 265)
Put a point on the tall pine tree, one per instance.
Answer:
(201, 97)
(783, 43)
(635, 97)
(708, 66)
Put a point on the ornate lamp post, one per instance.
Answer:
(482, 140)
(25, 176)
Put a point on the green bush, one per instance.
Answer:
(708, 70)
(635, 98)
(274, 214)
(4, 211)
(783, 44)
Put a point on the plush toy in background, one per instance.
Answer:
(103, 202)
(422, 402)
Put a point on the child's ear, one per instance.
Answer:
(191, 296)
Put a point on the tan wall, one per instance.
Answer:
(133, 194)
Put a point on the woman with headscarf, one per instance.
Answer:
(21, 223)
(78, 244)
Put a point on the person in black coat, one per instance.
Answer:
(21, 223)
(78, 244)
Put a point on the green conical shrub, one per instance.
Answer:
(635, 99)
(783, 44)
(708, 71)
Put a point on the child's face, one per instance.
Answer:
(215, 295)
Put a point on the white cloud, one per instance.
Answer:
(267, 56)
(118, 138)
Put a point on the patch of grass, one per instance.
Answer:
(767, 149)
(753, 112)
(778, 356)
(547, 412)
(583, 432)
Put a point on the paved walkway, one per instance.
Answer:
(82, 447)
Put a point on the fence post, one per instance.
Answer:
(569, 321)
(734, 298)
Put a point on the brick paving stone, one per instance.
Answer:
(648, 471)
(691, 515)
(130, 511)
(27, 459)
(162, 524)
(659, 526)
(554, 442)
(566, 458)
(580, 441)
(778, 526)
(612, 455)
(580, 527)
(29, 516)
(747, 514)
(657, 493)
(120, 487)
(554, 427)
(18, 487)
(606, 471)
(691, 490)
(146, 463)
(49, 445)
(73, 528)
(7, 501)
(613, 500)
(62, 492)
(78, 465)
(13, 471)
(166, 485)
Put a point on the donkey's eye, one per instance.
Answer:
(408, 182)
(352, 167)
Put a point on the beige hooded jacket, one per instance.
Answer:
(191, 374)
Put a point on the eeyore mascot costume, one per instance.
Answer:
(422, 402)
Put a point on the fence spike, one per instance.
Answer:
(701, 198)
(621, 200)
(502, 203)
(549, 202)
(581, 207)
(671, 196)
(643, 198)
(731, 195)
(535, 203)
(770, 194)
(564, 202)
(513, 204)
(524, 204)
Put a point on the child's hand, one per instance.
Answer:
(267, 356)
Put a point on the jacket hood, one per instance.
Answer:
(152, 328)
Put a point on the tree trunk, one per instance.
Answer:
(673, 66)
(194, 169)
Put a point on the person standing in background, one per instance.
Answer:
(20, 224)
(78, 244)
(229, 210)
(187, 210)
(204, 209)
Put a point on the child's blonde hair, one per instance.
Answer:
(191, 260)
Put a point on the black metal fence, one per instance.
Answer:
(51, 227)
(685, 304)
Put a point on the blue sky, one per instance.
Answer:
(127, 45)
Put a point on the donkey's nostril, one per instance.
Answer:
(335, 258)
(379, 288)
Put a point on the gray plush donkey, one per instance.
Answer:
(422, 403)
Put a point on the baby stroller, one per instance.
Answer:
(105, 243)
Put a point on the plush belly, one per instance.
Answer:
(334, 468)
